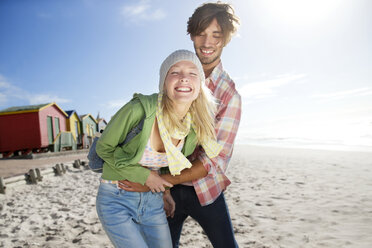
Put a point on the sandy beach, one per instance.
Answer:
(12, 167)
(278, 198)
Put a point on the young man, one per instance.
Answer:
(210, 28)
(199, 190)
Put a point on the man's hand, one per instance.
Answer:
(169, 204)
(156, 183)
(133, 187)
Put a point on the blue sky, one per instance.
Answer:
(303, 68)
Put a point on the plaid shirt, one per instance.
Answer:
(227, 123)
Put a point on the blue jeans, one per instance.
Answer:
(133, 219)
(213, 218)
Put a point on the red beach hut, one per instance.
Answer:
(30, 128)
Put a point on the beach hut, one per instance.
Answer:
(31, 128)
(73, 125)
(88, 126)
(102, 123)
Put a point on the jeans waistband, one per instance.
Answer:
(108, 181)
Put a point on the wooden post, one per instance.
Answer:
(33, 178)
(38, 174)
(57, 170)
(2, 186)
(77, 164)
(84, 164)
(63, 168)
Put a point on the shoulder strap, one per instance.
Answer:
(133, 133)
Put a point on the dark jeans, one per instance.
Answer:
(213, 218)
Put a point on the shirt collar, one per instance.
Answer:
(216, 73)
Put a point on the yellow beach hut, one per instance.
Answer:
(73, 125)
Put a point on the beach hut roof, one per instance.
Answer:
(102, 119)
(71, 112)
(86, 115)
(29, 109)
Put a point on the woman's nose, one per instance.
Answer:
(184, 77)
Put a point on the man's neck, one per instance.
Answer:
(208, 68)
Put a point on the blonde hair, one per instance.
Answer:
(202, 110)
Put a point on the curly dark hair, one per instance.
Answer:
(204, 15)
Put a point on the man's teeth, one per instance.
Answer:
(207, 52)
(183, 89)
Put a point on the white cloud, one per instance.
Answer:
(264, 89)
(6, 90)
(366, 91)
(3, 98)
(111, 107)
(142, 11)
(10, 94)
(116, 104)
(45, 98)
(3, 83)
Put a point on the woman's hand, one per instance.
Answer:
(156, 183)
(169, 204)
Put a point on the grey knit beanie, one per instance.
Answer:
(175, 57)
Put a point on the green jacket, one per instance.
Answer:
(122, 162)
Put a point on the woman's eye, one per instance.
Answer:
(174, 73)
(193, 74)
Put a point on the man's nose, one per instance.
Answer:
(208, 41)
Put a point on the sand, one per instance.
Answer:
(12, 167)
(278, 198)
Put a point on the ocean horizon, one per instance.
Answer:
(305, 143)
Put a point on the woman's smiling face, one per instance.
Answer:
(182, 83)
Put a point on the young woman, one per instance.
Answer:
(176, 119)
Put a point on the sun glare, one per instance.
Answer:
(302, 12)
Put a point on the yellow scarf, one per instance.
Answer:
(176, 160)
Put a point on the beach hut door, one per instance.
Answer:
(56, 120)
(77, 136)
(50, 129)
